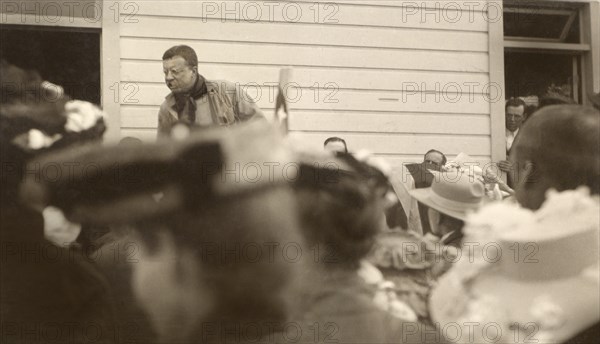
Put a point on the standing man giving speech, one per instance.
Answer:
(196, 101)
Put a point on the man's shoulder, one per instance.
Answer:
(219, 83)
(168, 102)
(223, 86)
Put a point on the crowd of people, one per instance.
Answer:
(226, 231)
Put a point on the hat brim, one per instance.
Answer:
(425, 196)
(577, 297)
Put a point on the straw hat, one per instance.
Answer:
(454, 194)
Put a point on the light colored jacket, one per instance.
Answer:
(224, 104)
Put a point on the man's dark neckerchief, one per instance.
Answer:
(198, 90)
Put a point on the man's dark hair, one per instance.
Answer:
(444, 160)
(188, 54)
(562, 141)
(515, 102)
(336, 139)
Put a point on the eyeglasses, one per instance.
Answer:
(428, 161)
(514, 117)
(174, 72)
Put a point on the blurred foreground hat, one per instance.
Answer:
(454, 194)
(36, 115)
(125, 184)
(343, 174)
(539, 281)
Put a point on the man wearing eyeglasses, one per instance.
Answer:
(435, 158)
(515, 116)
(199, 102)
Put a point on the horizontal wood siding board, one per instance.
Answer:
(219, 52)
(362, 100)
(476, 5)
(146, 117)
(151, 72)
(404, 143)
(413, 15)
(322, 35)
(387, 145)
(391, 123)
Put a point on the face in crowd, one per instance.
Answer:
(336, 146)
(515, 115)
(179, 75)
(434, 158)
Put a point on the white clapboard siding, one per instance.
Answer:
(409, 143)
(301, 55)
(394, 77)
(327, 35)
(134, 116)
(452, 15)
(334, 99)
(476, 83)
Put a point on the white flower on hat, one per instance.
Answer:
(81, 115)
(36, 139)
(58, 229)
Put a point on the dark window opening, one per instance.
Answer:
(62, 56)
(537, 74)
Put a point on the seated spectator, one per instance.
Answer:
(48, 294)
(211, 267)
(340, 211)
(335, 144)
(435, 158)
(408, 213)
